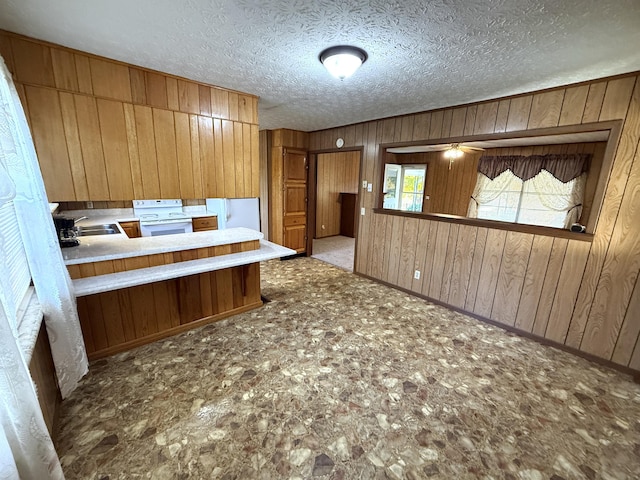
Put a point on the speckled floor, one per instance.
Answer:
(341, 378)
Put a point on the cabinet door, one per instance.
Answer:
(132, 229)
(205, 223)
(295, 200)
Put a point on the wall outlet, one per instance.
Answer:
(416, 275)
(362, 211)
(370, 187)
(89, 204)
(364, 184)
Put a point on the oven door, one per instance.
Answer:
(165, 227)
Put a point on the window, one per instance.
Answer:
(542, 200)
(14, 268)
(404, 187)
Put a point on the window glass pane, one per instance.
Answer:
(412, 188)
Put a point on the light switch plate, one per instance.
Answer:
(364, 184)
(416, 274)
(362, 211)
(370, 187)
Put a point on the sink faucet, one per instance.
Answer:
(84, 217)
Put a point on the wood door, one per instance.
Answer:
(295, 200)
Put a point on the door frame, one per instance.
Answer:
(313, 190)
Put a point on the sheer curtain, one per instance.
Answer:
(551, 188)
(558, 196)
(24, 441)
(487, 190)
(50, 276)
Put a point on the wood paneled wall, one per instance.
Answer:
(279, 140)
(584, 295)
(105, 130)
(123, 319)
(43, 374)
(448, 188)
(337, 173)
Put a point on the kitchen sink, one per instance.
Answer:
(106, 229)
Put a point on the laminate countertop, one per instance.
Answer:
(97, 248)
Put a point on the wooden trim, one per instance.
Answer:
(493, 224)
(615, 131)
(509, 328)
(312, 193)
(170, 332)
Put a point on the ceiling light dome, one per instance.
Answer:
(342, 61)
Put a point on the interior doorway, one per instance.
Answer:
(334, 222)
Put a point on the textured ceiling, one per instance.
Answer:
(422, 54)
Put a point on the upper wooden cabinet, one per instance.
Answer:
(104, 130)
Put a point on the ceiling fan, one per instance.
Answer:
(455, 151)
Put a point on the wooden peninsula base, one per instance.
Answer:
(122, 319)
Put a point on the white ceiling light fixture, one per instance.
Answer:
(453, 152)
(343, 60)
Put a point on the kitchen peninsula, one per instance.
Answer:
(133, 291)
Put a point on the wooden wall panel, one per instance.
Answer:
(115, 147)
(618, 181)
(91, 147)
(582, 294)
(49, 138)
(336, 173)
(140, 142)
(32, 62)
(64, 70)
(533, 282)
(110, 80)
(491, 261)
(72, 137)
(165, 136)
(629, 331)
(184, 156)
(147, 151)
(515, 257)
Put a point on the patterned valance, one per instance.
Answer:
(565, 167)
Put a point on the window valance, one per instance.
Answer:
(564, 167)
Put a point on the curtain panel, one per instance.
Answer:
(564, 167)
(25, 446)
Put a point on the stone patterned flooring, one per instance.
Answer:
(337, 378)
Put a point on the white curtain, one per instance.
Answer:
(50, 276)
(23, 427)
(558, 196)
(26, 450)
(544, 191)
(488, 190)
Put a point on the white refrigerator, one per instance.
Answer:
(235, 212)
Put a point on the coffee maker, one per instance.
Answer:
(65, 229)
